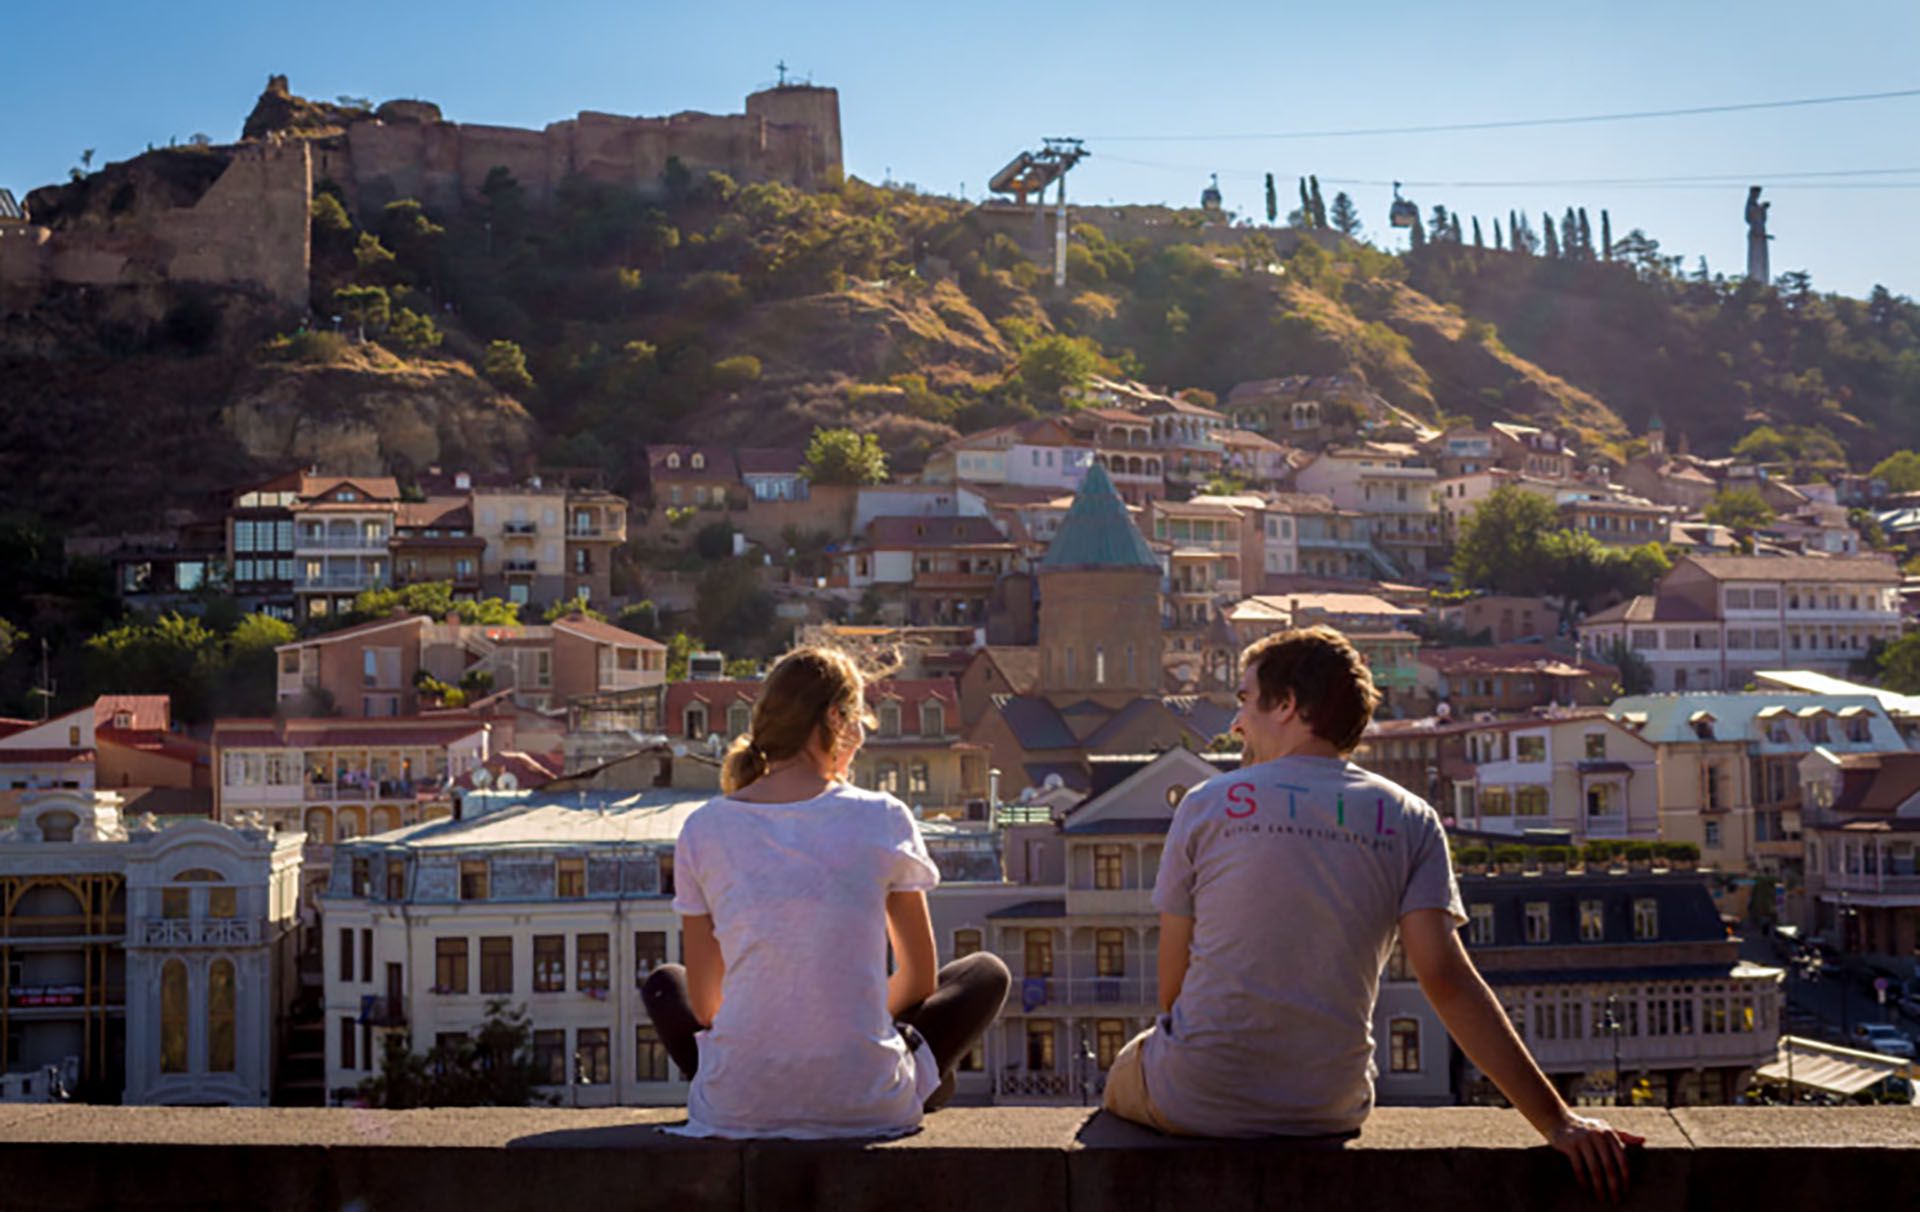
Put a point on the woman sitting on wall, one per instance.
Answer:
(792, 884)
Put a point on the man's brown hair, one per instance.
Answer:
(1325, 676)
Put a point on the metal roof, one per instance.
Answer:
(1097, 532)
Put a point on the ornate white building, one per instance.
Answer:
(161, 958)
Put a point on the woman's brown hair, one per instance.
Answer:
(796, 699)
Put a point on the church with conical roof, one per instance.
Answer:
(1095, 688)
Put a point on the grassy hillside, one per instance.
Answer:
(756, 313)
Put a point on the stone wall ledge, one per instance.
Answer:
(996, 1159)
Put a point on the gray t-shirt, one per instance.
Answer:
(1296, 873)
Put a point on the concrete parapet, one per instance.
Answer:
(997, 1159)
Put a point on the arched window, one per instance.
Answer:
(889, 722)
(698, 461)
(695, 720)
(173, 1017)
(673, 460)
(933, 719)
(320, 823)
(199, 875)
(220, 1017)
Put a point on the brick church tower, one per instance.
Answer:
(1099, 623)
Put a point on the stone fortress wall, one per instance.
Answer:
(249, 229)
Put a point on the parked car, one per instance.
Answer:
(1883, 1038)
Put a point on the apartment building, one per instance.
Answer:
(1594, 967)
(1123, 443)
(1044, 452)
(915, 749)
(931, 570)
(332, 780)
(1862, 823)
(155, 964)
(596, 527)
(561, 904)
(1581, 772)
(119, 741)
(1508, 678)
(434, 540)
(1389, 484)
(525, 559)
(1730, 766)
(342, 532)
(1205, 541)
(705, 477)
(1615, 519)
(260, 546)
(1506, 619)
(1715, 620)
(372, 669)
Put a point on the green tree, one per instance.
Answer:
(370, 256)
(1742, 510)
(435, 600)
(1273, 203)
(1900, 664)
(713, 541)
(11, 637)
(680, 648)
(1500, 542)
(413, 332)
(1054, 363)
(492, 1067)
(364, 307)
(841, 456)
(736, 372)
(1477, 241)
(175, 655)
(1606, 236)
(570, 607)
(1345, 216)
(641, 618)
(1900, 470)
(505, 366)
(1553, 240)
(734, 609)
(1498, 241)
(1319, 206)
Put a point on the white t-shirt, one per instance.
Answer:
(803, 1045)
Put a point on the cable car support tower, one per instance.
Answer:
(1032, 172)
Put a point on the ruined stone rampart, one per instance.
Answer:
(249, 230)
(158, 221)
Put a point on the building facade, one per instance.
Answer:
(159, 960)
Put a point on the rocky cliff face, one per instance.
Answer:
(376, 415)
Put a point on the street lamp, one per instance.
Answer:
(1847, 913)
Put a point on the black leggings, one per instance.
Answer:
(967, 997)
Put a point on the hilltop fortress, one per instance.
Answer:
(236, 216)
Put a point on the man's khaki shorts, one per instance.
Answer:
(1127, 1095)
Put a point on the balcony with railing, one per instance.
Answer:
(343, 541)
(519, 567)
(200, 932)
(357, 580)
(520, 526)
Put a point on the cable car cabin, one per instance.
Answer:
(1210, 198)
(1403, 213)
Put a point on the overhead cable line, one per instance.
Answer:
(1809, 178)
(1514, 123)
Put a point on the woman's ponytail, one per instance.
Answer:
(745, 763)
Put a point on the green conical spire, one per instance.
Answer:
(1097, 533)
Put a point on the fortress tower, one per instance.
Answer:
(1099, 603)
(814, 107)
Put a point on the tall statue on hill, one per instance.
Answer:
(1757, 237)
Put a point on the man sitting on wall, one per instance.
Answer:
(1280, 891)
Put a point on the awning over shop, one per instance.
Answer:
(1827, 1067)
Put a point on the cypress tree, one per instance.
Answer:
(1553, 242)
(1417, 233)
(1306, 204)
(1437, 225)
(1513, 230)
(1453, 228)
(1319, 206)
(1606, 236)
(1570, 235)
(1273, 203)
(1477, 243)
(1586, 236)
(1497, 241)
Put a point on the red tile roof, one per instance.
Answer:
(933, 532)
(604, 633)
(147, 711)
(12, 757)
(357, 630)
(441, 728)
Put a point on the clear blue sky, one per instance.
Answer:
(943, 95)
